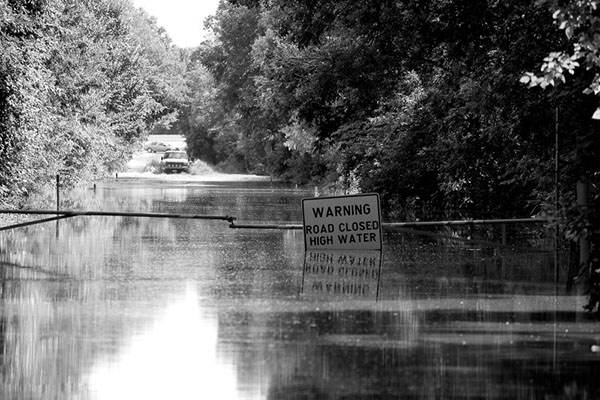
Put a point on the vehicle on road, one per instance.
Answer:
(157, 147)
(175, 161)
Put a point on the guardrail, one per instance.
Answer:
(62, 214)
(410, 224)
(404, 227)
(69, 214)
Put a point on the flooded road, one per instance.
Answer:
(143, 308)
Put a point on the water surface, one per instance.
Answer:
(142, 308)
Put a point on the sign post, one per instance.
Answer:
(342, 222)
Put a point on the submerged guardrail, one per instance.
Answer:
(62, 214)
(410, 224)
(404, 227)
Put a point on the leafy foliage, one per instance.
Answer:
(580, 22)
(81, 83)
(419, 101)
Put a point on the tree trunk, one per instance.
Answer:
(583, 189)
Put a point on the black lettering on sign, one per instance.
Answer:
(356, 238)
(321, 240)
(342, 211)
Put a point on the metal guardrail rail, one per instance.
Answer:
(61, 214)
(412, 228)
(406, 227)
(468, 222)
(392, 226)
(233, 225)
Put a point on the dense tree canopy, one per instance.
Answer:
(81, 83)
(419, 101)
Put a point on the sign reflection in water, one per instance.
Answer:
(341, 275)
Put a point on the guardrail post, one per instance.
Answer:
(57, 192)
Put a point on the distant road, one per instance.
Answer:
(172, 140)
(136, 166)
(140, 160)
(143, 158)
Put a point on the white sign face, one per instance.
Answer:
(342, 223)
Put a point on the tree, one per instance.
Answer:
(579, 20)
(22, 84)
(326, 85)
(81, 83)
(333, 65)
(243, 130)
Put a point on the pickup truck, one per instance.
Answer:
(174, 161)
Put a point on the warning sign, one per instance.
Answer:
(342, 222)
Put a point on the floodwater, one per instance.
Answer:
(144, 308)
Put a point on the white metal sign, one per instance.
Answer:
(342, 222)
